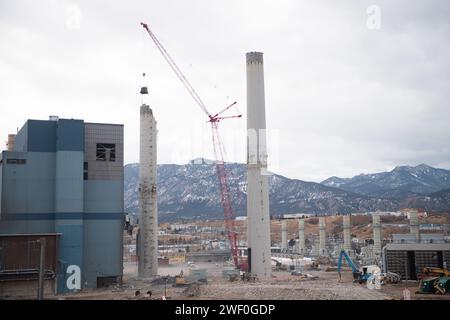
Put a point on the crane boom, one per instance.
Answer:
(350, 263)
(176, 69)
(219, 150)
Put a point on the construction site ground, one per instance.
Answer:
(282, 286)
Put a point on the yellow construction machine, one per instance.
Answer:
(434, 280)
(438, 272)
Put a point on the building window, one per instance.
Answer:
(106, 152)
(16, 161)
(86, 176)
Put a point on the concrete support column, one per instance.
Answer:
(414, 224)
(283, 235)
(376, 235)
(301, 236)
(347, 234)
(322, 236)
(315, 248)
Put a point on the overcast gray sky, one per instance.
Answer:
(341, 98)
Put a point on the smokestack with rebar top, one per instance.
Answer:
(301, 236)
(258, 227)
(148, 209)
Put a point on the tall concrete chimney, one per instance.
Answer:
(376, 224)
(322, 236)
(148, 209)
(283, 235)
(258, 228)
(347, 235)
(414, 224)
(301, 236)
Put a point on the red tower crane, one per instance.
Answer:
(219, 150)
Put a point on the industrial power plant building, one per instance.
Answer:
(62, 181)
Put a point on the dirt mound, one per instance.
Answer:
(192, 291)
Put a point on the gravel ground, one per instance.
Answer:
(287, 287)
(283, 286)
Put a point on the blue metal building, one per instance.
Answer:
(65, 178)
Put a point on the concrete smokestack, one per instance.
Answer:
(414, 224)
(301, 236)
(347, 235)
(376, 235)
(283, 235)
(148, 210)
(322, 236)
(258, 228)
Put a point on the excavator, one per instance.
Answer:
(434, 280)
(437, 272)
(358, 276)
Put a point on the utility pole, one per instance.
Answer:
(406, 292)
(42, 242)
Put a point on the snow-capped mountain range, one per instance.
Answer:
(401, 182)
(191, 191)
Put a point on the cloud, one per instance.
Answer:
(344, 99)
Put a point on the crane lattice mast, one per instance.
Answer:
(219, 150)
